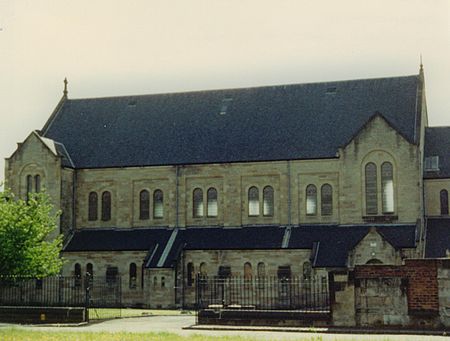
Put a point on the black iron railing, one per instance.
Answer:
(263, 293)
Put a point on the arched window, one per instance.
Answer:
(444, 202)
(155, 282)
(158, 204)
(93, 206)
(133, 276)
(106, 206)
(190, 274)
(253, 201)
(90, 269)
(144, 205)
(197, 203)
(311, 200)
(307, 270)
(203, 270)
(261, 269)
(163, 282)
(77, 274)
(248, 270)
(90, 273)
(29, 186)
(371, 188)
(212, 202)
(37, 183)
(268, 203)
(326, 200)
(387, 185)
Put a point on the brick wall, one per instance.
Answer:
(420, 281)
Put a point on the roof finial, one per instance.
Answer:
(421, 65)
(65, 87)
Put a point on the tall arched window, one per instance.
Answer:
(444, 202)
(203, 271)
(253, 201)
(248, 270)
(93, 206)
(29, 186)
(387, 185)
(261, 269)
(371, 188)
(190, 274)
(144, 205)
(133, 276)
(77, 274)
(268, 201)
(307, 270)
(311, 200)
(326, 200)
(212, 202)
(197, 203)
(37, 183)
(90, 270)
(158, 204)
(106, 206)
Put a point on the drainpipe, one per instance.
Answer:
(289, 193)
(177, 175)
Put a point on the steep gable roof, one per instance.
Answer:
(300, 121)
(437, 143)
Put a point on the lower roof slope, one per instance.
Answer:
(438, 237)
(252, 124)
(331, 244)
(437, 143)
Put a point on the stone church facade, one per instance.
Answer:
(291, 180)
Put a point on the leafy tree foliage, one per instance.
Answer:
(25, 249)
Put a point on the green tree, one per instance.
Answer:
(25, 249)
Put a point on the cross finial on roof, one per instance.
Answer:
(65, 87)
(421, 65)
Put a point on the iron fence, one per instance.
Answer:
(63, 291)
(263, 293)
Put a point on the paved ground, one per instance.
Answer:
(175, 324)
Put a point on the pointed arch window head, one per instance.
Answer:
(371, 188)
(261, 269)
(37, 183)
(197, 203)
(158, 204)
(326, 200)
(106, 206)
(387, 186)
(253, 202)
(90, 269)
(311, 200)
(93, 206)
(144, 205)
(212, 208)
(444, 202)
(268, 201)
(203, 271)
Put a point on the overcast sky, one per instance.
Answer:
(109, 48)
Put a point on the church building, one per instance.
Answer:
(283, 181)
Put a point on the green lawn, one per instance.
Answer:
(20, 335)
(106, 313)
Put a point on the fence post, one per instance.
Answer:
(87, 285)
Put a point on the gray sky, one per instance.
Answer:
(109, 48)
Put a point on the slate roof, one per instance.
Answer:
(438, 237)
(334, 242)
(330, 243)
(115, 239)
(258, 124)
(437, 143)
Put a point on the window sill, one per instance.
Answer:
(386, 218)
